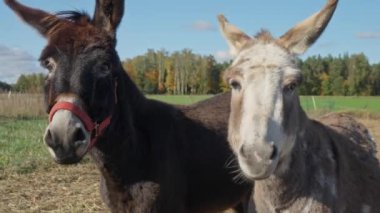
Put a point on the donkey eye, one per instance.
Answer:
(106, 66)
(235, 84)
(45, 63)
(290, 87)
(48, 64)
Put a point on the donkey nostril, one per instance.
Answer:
(274, 152)
(243, 151)
(79, 135)
(49, 139)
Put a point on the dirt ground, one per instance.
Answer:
(58, 189)
(73, 188)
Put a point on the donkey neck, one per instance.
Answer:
(129, 96)
(309, 177)
(280, 191)
(122, 153)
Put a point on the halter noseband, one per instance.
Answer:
(96, 129)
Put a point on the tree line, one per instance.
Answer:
(345, 75)
(5, 87)
(184, 72)
(31, 83)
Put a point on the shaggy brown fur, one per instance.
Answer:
(332, 169)
(140, 197)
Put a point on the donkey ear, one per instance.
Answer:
(236, 39)
(298, 39)
(108, 14)
(38, 19)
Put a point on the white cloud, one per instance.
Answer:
(203, 26)
(368, 35)
(222, 55)
(14, 62)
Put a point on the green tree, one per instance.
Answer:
(4, 87)
(183, 72)
(374, 80)
(312, 69)
(358, 75)
(32, 83)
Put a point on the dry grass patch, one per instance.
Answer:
(21, 105)
(57, 189)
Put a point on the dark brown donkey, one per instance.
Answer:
(96, 108)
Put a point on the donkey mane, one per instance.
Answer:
(63, 19)
(76, 16)
(264, 36)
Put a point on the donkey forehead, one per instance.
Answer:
(72, 39)
(264, 56)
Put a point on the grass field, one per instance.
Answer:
(179, 99)
(342, 103)
(31, 105)
(31, 182)
(322, 103)
(21, 146)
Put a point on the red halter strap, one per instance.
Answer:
(96, 129)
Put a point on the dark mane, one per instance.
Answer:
(65, 20)
(264, 36)
(74, 16)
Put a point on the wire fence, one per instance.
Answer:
(32, 105)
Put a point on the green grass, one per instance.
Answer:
(341, 103)
(179, 99)
(21, 146)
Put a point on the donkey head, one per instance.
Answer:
(82, 66)
(265, 112)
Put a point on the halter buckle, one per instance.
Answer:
(95, 131)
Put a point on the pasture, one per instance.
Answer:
(31, 182)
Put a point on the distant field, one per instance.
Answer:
(342, 103)
(179, 99)
(21, 105)
(31, 105)
(322, 103)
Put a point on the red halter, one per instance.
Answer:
(96, 129)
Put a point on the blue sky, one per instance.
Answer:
(175, 25)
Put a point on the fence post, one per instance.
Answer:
(315, 106)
